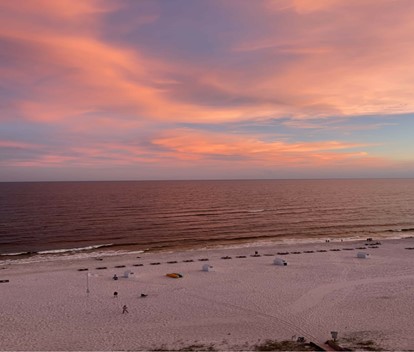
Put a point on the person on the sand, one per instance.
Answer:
(124, 309)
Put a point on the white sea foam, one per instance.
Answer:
(67, 256)
(80, 249)
(255, 210)
(14, 254)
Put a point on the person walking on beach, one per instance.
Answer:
(124, 309)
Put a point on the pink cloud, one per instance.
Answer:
(193, 145)
(16, 144)
(316, 58)
(301, 6)
(350, 65)
(353, 58)
(83, 72)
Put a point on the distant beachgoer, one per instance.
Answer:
(115, 277)
(256, 252)
(144, 295)
(124, 309)
(115, 294)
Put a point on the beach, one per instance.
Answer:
(244, 299)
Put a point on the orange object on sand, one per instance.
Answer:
(174, 275)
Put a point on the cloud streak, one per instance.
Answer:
(113, 82)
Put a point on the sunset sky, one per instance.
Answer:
(206, 89)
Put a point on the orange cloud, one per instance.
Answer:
(351, 58)
(301, 6)
(345, 64)
(61, 8)
(304, 59)
(91, 73)
(192, 145)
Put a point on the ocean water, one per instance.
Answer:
(66, 217)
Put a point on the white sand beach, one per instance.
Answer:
(243, 301)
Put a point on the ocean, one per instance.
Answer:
(41, 219)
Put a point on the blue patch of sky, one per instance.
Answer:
(196, 31)
(18, 153)
(375, 129)
(179, 30)
(27, 132)
(359, 129)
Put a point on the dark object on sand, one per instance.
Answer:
(3, 281)
(308, 252)
(144, 295)
(115, 294)
(156, 263)
(172, 262)
(83, 269)
(295, 252)
(119, 266)
(101, 268)
(322, 250)
(226, 257)
(188, 261)
(124, 309)
(203, 259)
(137, 264)
(240, 256)
(115, 277)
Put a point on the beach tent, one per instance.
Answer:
(280, 261)
(362, 255)
(127, 273)
(207, 267)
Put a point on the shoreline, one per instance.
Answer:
(105, 250)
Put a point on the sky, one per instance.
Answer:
(206, 89)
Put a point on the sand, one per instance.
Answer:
(243, 302)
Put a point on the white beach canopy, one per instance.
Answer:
(362, 255)
(207, 267)
(280, 261)
(127, 273)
